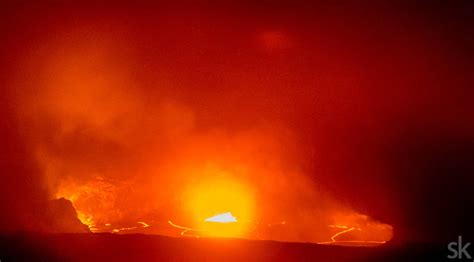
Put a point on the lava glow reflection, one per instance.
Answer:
(221, 207)
(227, 198)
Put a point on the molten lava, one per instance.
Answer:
(214, 221)
(227, 217)
(219, 206)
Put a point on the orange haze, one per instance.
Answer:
(295, 122)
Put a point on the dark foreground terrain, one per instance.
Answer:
(137, 247)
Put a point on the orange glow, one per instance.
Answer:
(120, 156)
(293, 121)
(223, 200)
(221, 206)
(93, 201)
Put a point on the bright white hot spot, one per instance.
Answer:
(222, 218)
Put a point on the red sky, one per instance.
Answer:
(370, 103)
